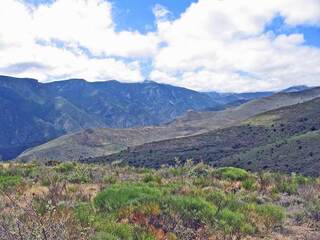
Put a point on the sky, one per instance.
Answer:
(205, 45)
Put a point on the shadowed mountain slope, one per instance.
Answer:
(99, 142)
(286, 139)
(33, 113)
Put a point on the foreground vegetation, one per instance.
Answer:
(78, 201)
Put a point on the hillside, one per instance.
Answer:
(285, 139)
(99, 142)
(33, 113)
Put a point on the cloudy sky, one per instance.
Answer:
(224, 45)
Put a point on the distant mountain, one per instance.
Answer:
(99, 142)
(234, 99)
(298, 88)
(33, 113)
(286, 139)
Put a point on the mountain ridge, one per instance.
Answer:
(109, 141)
(34, 112)
(276, 140)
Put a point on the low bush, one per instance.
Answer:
(121, 195)
(234, 224)
(84, 214)
(249, 184)
(270, 215)
(8, 182)
(116, 231)
(191, 208)
(152, 178)
(231, 173)
(65, 167)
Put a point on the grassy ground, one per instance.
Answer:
(78, 201)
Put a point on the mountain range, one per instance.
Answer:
(286, 139)
(92, 143)
(34, 113)
(149, 124)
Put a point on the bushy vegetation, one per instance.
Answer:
(232, 173)
(78, 201)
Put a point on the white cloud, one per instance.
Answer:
(221, 45)
(214, 45)
(161, 12)
(76, 25)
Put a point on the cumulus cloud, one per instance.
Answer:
(214, 45)
(73, 38)
(223, 45)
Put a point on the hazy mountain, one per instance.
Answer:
(98, 142)
(237, 98)
(33, 113)
(286, 139)
(296, 88)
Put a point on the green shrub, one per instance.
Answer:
(65, 167)
(249, 184)
(152, 178)
(200, 170)
(287, 186)
(121, 195)
(299, 179)
(231, 173)
(109, 179)
(271, 215)
(83, 213)
(114, 230)
(8, 182)
(234, 224)
(78, 177)
(40, 205)
(117, 231)
(191, 208)
(219, 199)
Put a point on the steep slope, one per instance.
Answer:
(108, 141)
(33, 113)
(285, 139)
(121, 105)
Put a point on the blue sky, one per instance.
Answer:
(138, 15)
(311, 33)
(214, 45)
